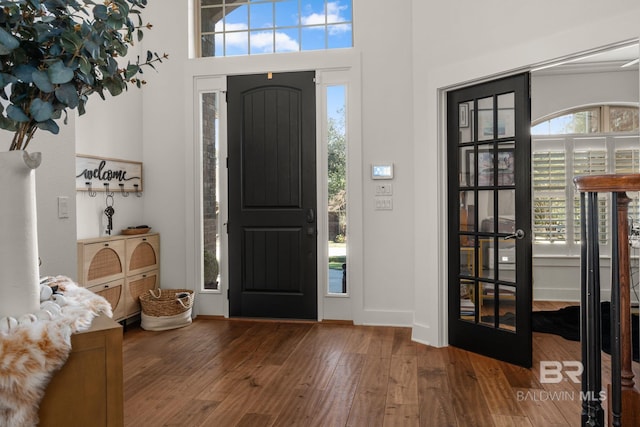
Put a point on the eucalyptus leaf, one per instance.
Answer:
(8, 124)
(100, 11)
(92, 48)
(132, 70)
(8, 78)
(114, 86)
(87, 79)
(41, 110)
(84, 64)
(24, 72)
(15, 113)
(8, 41)
(72, 40)
(112, 66)
(42, 81)
(50, 126)
(59, 73)
(68, 95)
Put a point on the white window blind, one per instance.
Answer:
(549, 202)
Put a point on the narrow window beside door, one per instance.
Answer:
(210, 192)
(337, 188)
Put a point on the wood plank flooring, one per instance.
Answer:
(223, 373)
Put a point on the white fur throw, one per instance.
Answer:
(34, 346)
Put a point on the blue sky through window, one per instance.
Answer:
(266, 26)
(336, 108)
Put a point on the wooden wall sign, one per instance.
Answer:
(94, 173)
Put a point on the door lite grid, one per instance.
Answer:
(489, 163)
(486, 195)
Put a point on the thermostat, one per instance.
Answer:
(382, 171)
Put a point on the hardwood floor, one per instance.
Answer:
(258, 373)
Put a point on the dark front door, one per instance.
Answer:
(489, 163)
(272, 195)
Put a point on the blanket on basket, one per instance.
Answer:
(34, 346)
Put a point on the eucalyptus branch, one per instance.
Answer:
(55, 53)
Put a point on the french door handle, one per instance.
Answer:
(311, 215)
(519, 234)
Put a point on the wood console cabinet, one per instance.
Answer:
(87, 390)
(120, 268)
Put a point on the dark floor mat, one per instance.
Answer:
(566, 323)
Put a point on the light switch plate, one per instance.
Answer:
(63, 207)
(383, 203)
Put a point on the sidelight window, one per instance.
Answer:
(211, 226)
(337, 188)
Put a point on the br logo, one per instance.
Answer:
(553, 371)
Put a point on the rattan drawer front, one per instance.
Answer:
(138, 285)
(142, 254)
(103, 261)
(114, 292)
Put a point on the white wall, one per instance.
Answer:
(466, 41)
(387, 295)
(54, 178)
(385, 41)
(556, 91)
(111, 129)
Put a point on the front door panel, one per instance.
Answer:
(272, 195)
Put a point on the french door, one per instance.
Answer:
(489, 231)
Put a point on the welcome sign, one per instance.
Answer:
(94, 173)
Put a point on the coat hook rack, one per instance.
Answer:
(90, 191)
(124, 193)
(106, 189)
(138, 192)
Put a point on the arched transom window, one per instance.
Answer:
(586, 120)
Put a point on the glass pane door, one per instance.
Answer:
(489, 229)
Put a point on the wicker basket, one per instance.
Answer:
(166, 302)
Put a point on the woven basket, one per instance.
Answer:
(166, 302)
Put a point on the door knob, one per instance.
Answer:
(519, 234)
(311, 215)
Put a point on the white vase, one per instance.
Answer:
(19, 271)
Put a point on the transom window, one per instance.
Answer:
(249, 27)
(587, 120)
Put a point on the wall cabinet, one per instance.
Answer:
(120, 268)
